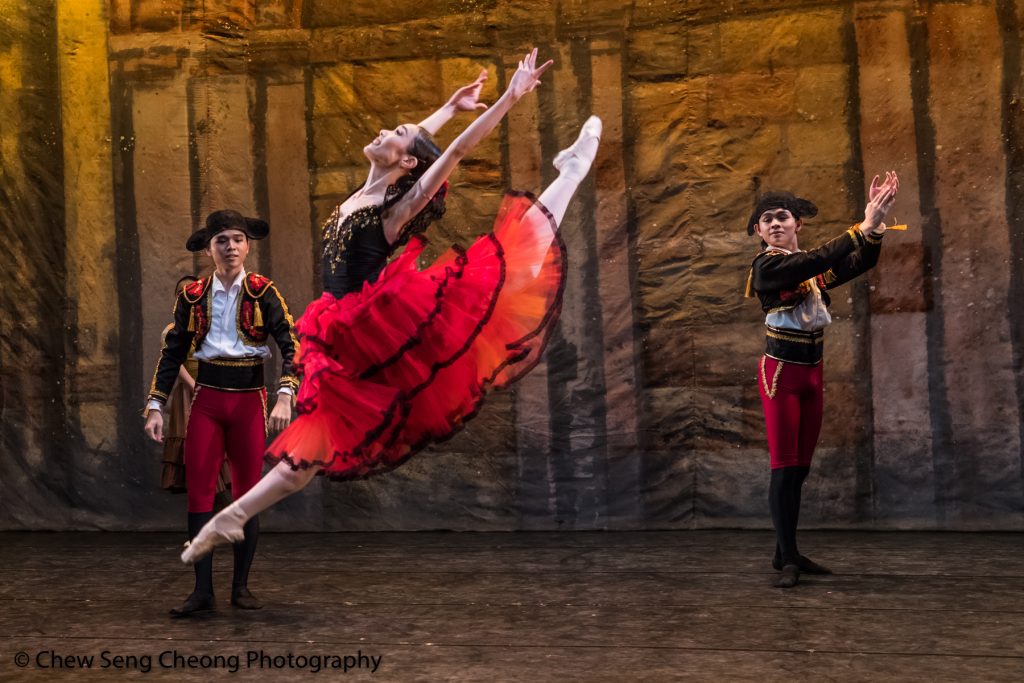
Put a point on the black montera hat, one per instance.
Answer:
(799, 207)
(226, 219)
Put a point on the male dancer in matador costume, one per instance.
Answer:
(793, 287)
(229, 317)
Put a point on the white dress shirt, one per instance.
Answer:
(222, 341)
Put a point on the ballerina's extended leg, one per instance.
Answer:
(572, 163)
(229, 524)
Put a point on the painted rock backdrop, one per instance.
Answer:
(123, 122)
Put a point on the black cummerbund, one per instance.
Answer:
(231, 374)
(794, 346)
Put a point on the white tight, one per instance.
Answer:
(279, 483)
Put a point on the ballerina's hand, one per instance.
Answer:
(527, 76)
(467, 97)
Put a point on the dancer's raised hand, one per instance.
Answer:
(876, 187)
(467, 98)
(880, 200)
(525, 79)
(527, 76)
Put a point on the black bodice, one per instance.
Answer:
(354, 250)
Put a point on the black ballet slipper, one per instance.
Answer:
(242, 598)
(809, 566)
(806, 564)
(788, 577)
(195, 604)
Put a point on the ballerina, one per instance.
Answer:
(394, 358)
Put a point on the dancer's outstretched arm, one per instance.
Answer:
(525, 79)
(466, 98)
(880, 200)
(773, 270)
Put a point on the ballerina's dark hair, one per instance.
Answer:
(426, 152)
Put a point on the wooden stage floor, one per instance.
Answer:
(642, 606)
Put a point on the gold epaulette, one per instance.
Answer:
(195, 291)
(257, 285)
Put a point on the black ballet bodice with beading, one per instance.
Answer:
(354, 250)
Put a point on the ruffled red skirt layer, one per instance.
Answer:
(407, 360)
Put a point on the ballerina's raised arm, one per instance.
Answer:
(466, 98)
(524, 80)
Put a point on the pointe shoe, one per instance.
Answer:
(592, 128)
(226, 527)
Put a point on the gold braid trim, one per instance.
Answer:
(153, 392)
(202, 290)
(795, 340)
(245, 362)
(856, 235)
(257, 312)
(210, 386)
(771, 390)
(290, 380)
(238, 320)
(266, 416)
(266, 285)
(208, 312)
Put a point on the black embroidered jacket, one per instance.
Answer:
(262, 312)
(780, 280)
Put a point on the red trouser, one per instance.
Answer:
(792, 402)
(232, 422)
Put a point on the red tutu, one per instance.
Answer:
(408, 360)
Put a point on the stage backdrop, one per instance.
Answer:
(123, 122)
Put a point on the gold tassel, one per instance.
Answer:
(257, 317)
(192, 319)
(749, 291)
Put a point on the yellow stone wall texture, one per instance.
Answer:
(122, 122)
